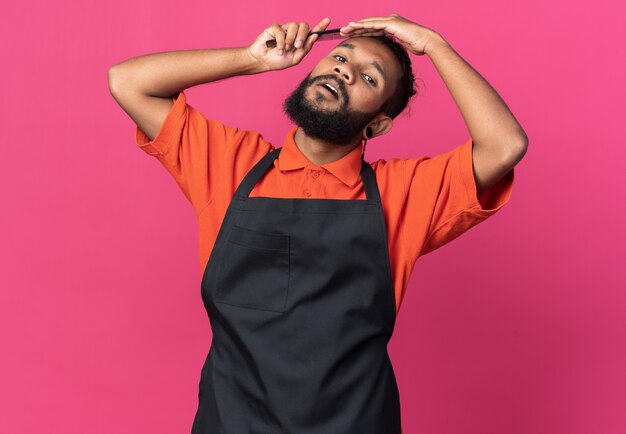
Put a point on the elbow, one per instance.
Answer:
(523, 145)
(120, 79)
(113, 78)
(524, 141)
(517, 150)
(518, 144)
(518, 139)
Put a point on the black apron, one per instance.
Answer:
(301, 304)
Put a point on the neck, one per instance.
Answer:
(320, 152)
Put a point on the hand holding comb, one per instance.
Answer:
(323, 36)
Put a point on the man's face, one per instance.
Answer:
(363, 73)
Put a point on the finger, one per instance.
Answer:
(321, 25)
(364, 20)
(369, 24)
(362, 31)
(365, 29)
(368, 33)
(308, 44)
(374, 27)
(361, 24)
(303, 31)
(310, 40)
(279, 35)
(347, 30)
(292, 31)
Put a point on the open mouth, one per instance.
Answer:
(330, 89)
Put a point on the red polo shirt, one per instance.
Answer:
(427, 201)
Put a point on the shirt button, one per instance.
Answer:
(315, 174)
(307, 193)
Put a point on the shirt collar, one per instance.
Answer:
(347, 169)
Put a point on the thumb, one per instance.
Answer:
(310, 40)
(303, 51)
(322, 25)
(308, 44)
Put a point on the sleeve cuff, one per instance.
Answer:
(494, 198)
(175, 117)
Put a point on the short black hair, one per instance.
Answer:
(405, 89)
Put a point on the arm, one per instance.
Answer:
(499, 140)
(143, 86)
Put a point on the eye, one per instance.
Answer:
(368, 78)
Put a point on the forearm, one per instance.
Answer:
(488, 119)
(165, 74)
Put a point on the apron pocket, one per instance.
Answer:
(254, 270)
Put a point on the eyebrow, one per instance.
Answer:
(374, 63)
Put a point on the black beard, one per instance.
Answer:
(340, 126)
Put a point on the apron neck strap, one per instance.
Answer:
(259, 169)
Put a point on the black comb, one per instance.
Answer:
(323, 36)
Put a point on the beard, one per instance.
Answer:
(340, 126)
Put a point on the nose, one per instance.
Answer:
(345, 71)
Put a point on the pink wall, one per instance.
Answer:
(519, 326)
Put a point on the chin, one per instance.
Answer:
(320, 102)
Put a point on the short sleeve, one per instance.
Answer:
(190, 147)
(447, 189)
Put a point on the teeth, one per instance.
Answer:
(332, 89)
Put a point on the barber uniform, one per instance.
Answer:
(301, 304)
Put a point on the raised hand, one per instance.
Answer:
(292, 44)
(413, 36)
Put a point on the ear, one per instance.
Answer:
(381, 125)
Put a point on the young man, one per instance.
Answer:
(310, 246)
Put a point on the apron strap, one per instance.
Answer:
(369, 182)
(259, 169)
(253, 176)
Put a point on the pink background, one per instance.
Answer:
(519, 326)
